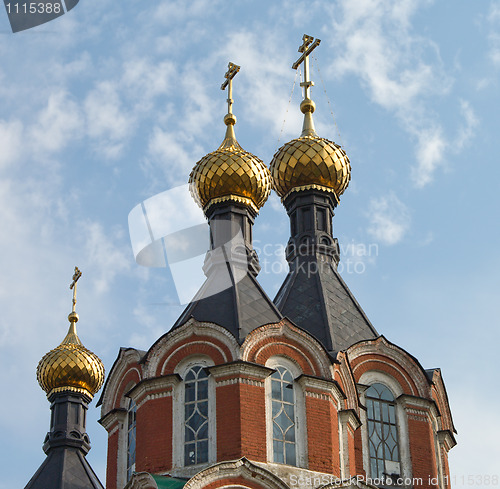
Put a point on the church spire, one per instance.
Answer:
(310, 174)
(231, 185)
(70, 375)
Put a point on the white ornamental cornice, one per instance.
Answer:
(446, 439)
(112, 420)
(325, 387)
(239, 368)
(155, 388)
(419, 408)
(348, 417)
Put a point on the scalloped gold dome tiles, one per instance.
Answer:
(72, 367)
(310, 162)
(230, 173)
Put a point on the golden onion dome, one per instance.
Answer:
(310, 162)
(230, 174)
(71, 367)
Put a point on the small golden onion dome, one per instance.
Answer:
(70, 366)
(310, 162)
(230, 174)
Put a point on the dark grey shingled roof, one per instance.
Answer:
(65, 468)
(322, 304)
(240, 307)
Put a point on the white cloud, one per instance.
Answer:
(104, 257)
(401, 71)
(107, 120)
(11, 138)
(175, 153)
(429, 154)
(389, 219)
(264, 80)
(467, 130)
(433, 145)
(378, 45)
(57, 125)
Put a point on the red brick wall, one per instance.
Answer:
(423, 456)
(112, 469)
(321, 432)
(253, 422)
(154, 436)
(357, 467)
(228, 422)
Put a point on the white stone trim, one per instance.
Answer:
(348, 381)
(330, 389)
(236, 372)
(241, 468)
(300, 410)
(347, 419)
(120, 368)
(141, 393)
(121, 456)
(141, 480)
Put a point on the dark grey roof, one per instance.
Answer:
(240, 307)
(321, 303)
(65, 468)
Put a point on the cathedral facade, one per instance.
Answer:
(296, 392)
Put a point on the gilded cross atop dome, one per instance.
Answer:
(309, 162)
(307, 106)
(230, 74)
(307, 47)
(70, 366)
(230, 174)
(230, 118)
(73, 317)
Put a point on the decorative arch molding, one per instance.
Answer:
(347, 381)
(158, 360)
(440, 396)
(125, 372)
(263, 343)
(141, 480)
(238, 473)
(400, 361)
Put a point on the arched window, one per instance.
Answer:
(283, 417)
(131, 429)
(196, 421)
(383, 441)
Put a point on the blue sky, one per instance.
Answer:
(115, 102)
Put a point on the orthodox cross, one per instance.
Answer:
(72, 285)
(306, 49)
(230, 74)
